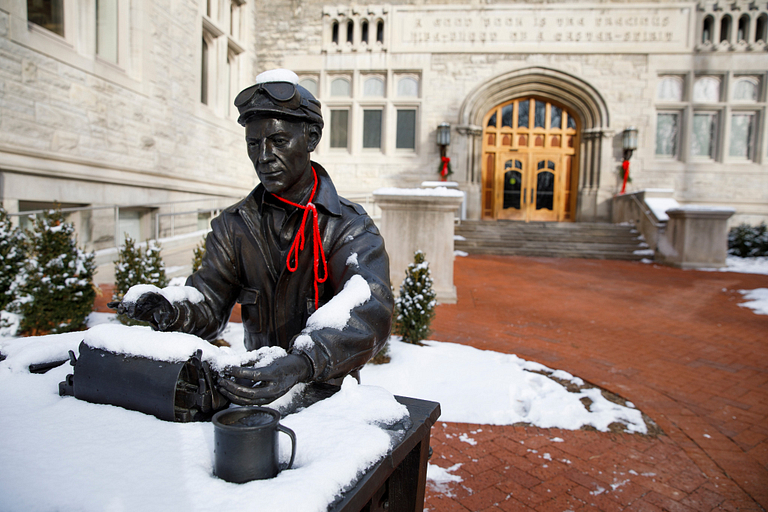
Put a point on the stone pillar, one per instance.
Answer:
(696, 237)
(420, 219)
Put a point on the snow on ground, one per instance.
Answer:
(68, 454)
(758, 265)
(757, 300)
(480, 386)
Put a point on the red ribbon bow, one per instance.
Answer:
(298, 242)
(444, 170)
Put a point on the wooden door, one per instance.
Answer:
(529, 164)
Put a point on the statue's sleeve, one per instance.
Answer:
(217, 280)
(337, 351)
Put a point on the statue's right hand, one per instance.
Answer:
(150, 307)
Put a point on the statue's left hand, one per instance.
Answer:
(265, 384)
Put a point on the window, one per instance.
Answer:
(340, 87)
(704, 139)
(706, 31)
(339, 128)
(670, 88)
(364, 32)
(353, 28)
(706, 89)
(350, 32)
(667, 134)
(725, 29)
(335, 33)
(406, 129)
(372, 128)
(106, 30)
(220, 51)
(48, 14)
(743, 32)
(742, 135)
(380, 32)
(760, 28)
(373, 87)
(745, 89)
(407, 87)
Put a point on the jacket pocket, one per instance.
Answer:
(250, 308)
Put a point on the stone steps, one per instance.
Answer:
(550, 239)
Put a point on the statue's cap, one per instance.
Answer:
(277, 93)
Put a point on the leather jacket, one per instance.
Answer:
(240, 266)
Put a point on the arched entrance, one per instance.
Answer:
(530, 163)
(584, 123)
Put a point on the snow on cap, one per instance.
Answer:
(278, 75)
(277, 93)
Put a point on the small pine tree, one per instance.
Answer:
(197, 255)
(154, 268)
(136, 266)
(415, 308)
(58, 293)
(12, 259)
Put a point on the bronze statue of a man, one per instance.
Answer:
(285, 250)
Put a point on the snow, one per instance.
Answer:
(757, 300)
(277, 75)
(173, 293)
(702, 208)
(352, 260)
(660, 205)
(495, 388)
(756, 265)
(437, 191)
(440, 475)
(460, 254)
(68, 454)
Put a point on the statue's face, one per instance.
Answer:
(279, 150)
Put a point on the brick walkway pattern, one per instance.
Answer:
(673, 342)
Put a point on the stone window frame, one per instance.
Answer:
(225, 66)
(77, 47)
(713, 17)
(337, 21)
(357, 103)
(725, 108)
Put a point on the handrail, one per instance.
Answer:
(647, 212)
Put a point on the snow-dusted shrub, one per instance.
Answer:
(415, 308)
(197, 255)
(58, 293)
(748, 241)
(12, 258)
(137, 266)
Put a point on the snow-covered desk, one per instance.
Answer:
(60, 453)
(397, 483)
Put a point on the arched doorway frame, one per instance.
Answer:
(576, 94)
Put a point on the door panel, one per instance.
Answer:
(530, 161)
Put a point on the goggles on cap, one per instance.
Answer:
(284, 94)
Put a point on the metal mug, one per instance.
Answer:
(246, 445)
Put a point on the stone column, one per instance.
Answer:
(696, 237)
(420, 219)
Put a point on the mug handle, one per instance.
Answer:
(288, 431)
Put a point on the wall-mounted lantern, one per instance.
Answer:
(628, 144)
(444, 140)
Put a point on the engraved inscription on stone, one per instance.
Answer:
(566, 28)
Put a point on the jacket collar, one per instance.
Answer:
(326, 197)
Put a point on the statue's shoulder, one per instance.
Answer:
(352, 205)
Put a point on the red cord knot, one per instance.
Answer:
(317, 243)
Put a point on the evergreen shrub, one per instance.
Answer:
(58, 293)
(197, 255)
(12, 259)
(748, 241)
(134, 266)
(415, 308)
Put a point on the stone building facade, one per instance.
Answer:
(130, 101)
(108, 102)
(538, 96)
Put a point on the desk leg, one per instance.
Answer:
(407, 484)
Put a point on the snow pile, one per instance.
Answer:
(68, 454)
(479, 386)
(173, 293)
(756, 265)
(758, 300)
(660, 205)
(336, 313)
(437, 191)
